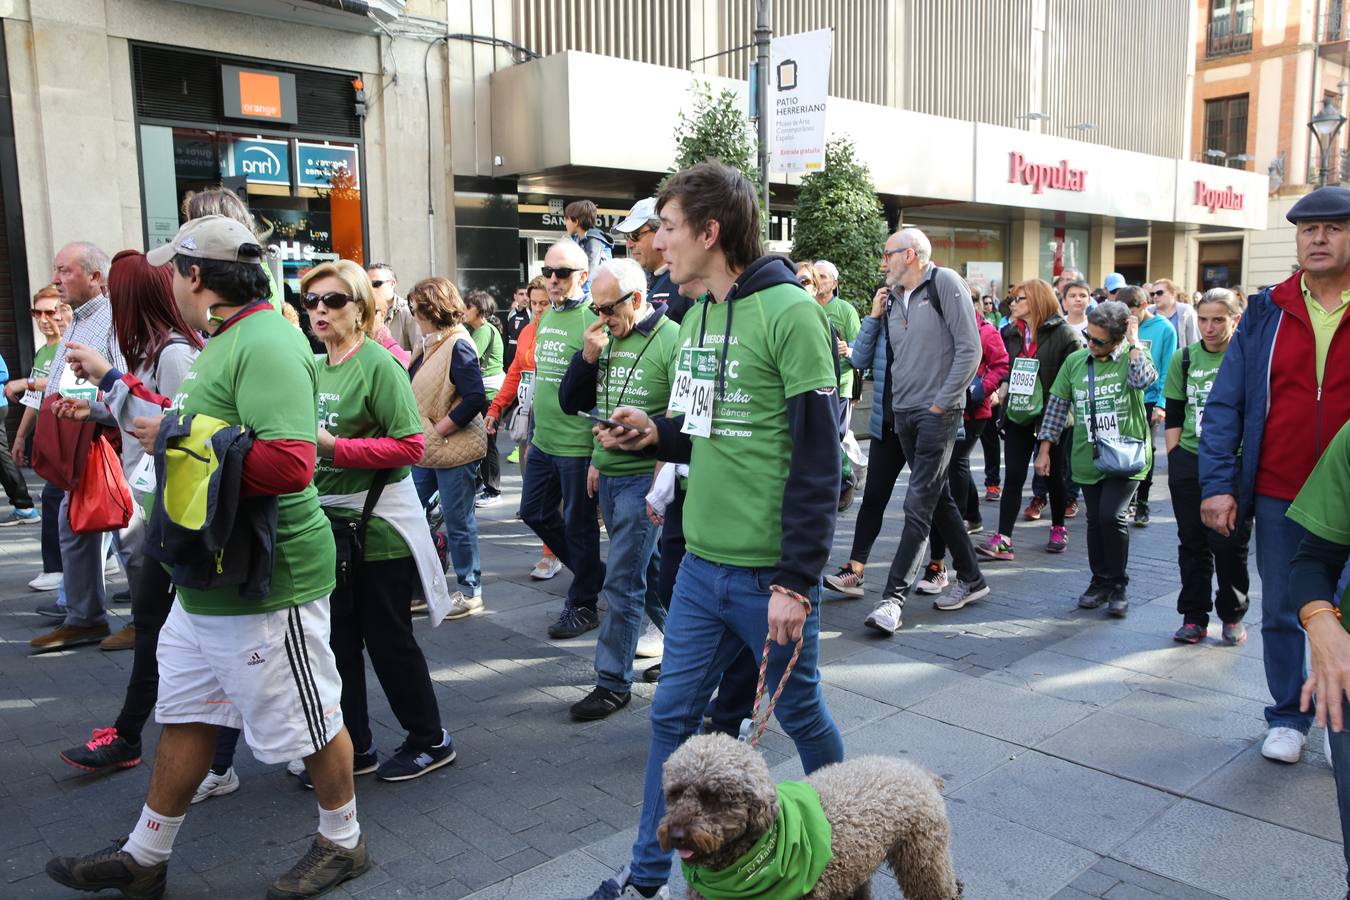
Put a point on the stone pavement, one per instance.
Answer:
(1083, 757)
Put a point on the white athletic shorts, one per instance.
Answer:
(271, 674)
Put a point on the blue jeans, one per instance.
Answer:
(631, 578)
(574, 534)
(716, 613)
(1283, 643)
(457, 487)
(1340, 759)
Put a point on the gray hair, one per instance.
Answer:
(828, 268)
(91, 258)
(576, 257)
(916, 240)
(627, 273)
(1223, 296)
(1112, 316)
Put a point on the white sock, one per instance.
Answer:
(340, 825)
(151, 841)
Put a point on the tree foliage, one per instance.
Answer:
(840, 219)
(715, 128)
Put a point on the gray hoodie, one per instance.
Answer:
(934, 355)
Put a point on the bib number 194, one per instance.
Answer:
(698, 417)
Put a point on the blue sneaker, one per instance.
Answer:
(408, 763)
(618, 887)
(28, 516)
(362, 764)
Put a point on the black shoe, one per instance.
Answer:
(573, 622)
(104, 751)
(362, 764)
(1141, 517)
(110, 868)
(1190, 633)
(653, 674)
(599, 704)
(323, 868)
(408, 763)
(1117, 605)
(51, 611)
(121, 598)
(1093, 597)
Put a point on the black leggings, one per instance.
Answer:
(993, 454)
(151, 600)
(1020, 447)
(885, 461)
(958, 481)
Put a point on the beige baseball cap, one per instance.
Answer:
(210, 237)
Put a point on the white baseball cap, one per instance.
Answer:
(643, 211)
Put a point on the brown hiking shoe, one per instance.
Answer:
(123, 640)
(323, 868)
(65, 636)
(112, 868)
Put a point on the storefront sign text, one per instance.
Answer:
(258, 94)
(261, 162)
(1215, 199)
(316, 164)
(798, 94)
(1040, 176)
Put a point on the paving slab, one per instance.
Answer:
(1002, 711)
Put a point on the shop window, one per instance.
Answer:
(1062, 248)
(1226, 132)
(976, 250)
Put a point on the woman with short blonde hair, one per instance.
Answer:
(357, 283)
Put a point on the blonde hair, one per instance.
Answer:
(358, 285)
(1228, 299)
(290, 315)
(1174, 289)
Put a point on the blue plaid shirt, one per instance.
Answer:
(92, 325)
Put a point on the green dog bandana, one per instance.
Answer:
(784, 864)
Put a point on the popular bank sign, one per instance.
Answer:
(1039, 176)
(1215, 199)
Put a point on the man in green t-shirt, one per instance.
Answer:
(479, 310)
(761, 438)
(560, 448)
(628, 359)
(263, 666)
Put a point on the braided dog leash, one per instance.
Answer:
(755, 728)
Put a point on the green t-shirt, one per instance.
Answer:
(42, 360)
(1323, 504)
(489, 344)
(846, 323)
(260, 373)
(558, 336)
(1199, 382)
(367, 396)
(1120, 408)
(635, 370)
(780, 347)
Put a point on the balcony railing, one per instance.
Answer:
(1229, 34)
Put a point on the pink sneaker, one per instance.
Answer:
(1059, 540)
(997, 547)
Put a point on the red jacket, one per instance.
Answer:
(1301, 419)
(994, 366)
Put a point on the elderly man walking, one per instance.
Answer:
(1282, 394)
(935, 352)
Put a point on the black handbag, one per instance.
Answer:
(349, 535)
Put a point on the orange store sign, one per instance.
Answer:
(258, 94)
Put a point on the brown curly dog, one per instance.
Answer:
(720, 800)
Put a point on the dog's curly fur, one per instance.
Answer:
(720, 800)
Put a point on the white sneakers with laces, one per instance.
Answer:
(461, 606)
(885, 617)
(546, 568)
(214, 785)
(652, 643)
(1284, 744)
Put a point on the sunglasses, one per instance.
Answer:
(1098, 342)
(379, 284)
(609, 310)
(806, 282)
(562, 273)
(637, 235)
(46, 313)
(330, 300)
(1156, 293)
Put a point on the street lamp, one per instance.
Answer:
(1325, 126)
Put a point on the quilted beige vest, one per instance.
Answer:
(436, 396)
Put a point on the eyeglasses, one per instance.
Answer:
(806, 282)
(887, 254)
(379, 284)
(609, 310)
(562, 273)
(331, 300)
(1098, 342)
(47, 313)
(1156, 293)
(637, 235)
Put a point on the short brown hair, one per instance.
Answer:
(1041, 302)
(1133, 296)
(583, 211)
(712, 191)
(48, 292)
(358, 285)
(439, 302)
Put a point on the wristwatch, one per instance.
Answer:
(32, 384)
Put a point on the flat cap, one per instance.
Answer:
(1326, 204)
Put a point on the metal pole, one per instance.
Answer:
(763, 33)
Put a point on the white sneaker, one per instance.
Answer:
(962, 593)
(296, 767)
(111, 567)
(546, 568)
(214, 785)
(934, 581)
(652, 643)
(461, 606)
(885, 618)
(1284, 744)
(47, 581)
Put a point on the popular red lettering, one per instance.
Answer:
(1213, 199)
(1040, 176)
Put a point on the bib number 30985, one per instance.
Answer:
(698, 417)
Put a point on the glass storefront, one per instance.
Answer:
(1062, 248)
(978, 250)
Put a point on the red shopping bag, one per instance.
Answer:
(102, 499)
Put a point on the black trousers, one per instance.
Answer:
(993, 454)
(51, 529)
(490, 469)
(10, 476)
(959, 483)
(1020, 447)
(671, 543)
(374, 615)
(1203, 552)
(1108, 535)
(1141, 495)
(151, 600)
(885, 462)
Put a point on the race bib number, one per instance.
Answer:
(1022, 380)
(143, 476)
(698, 418)
(525, 393)
(684, 382)
(1107, 426)
(1148, 348)
(74, 387)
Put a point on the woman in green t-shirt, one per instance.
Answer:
(479, 312)
(1103, 386)
(1203, 552)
